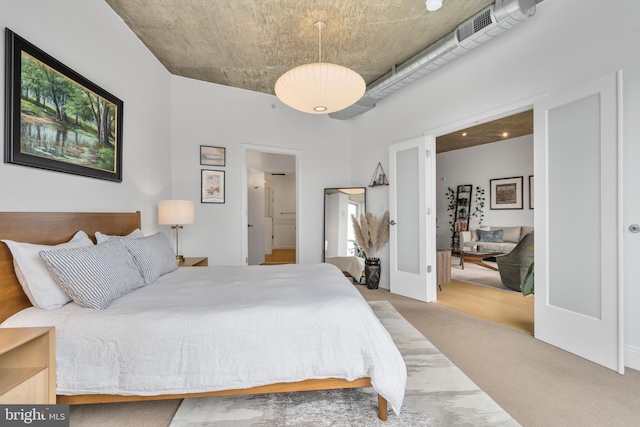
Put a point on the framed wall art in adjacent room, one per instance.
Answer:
(212, 156)
(56, 119)
(531, 192)
(212, 186)
(506, 193)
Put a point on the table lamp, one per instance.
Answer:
(176, 213)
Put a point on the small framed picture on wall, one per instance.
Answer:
(213, 156)
(212, 183)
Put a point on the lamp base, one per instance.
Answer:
(179, 259)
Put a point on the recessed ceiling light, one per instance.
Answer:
(433, 5)
(464, 134)
(505, 134)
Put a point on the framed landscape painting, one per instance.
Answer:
(56, 119)
(506, 193)
(212, 156)
(212, 186)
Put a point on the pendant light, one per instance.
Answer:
(320, 87)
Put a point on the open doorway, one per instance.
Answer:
(474, 158)
(271, 206)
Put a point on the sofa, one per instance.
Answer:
(493, 239)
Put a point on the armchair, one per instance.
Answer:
(513, 266)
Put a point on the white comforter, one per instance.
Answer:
(215, 328)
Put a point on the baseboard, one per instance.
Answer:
(632, 357)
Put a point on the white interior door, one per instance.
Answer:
(578, 229)
(255, 226)
(411, 257)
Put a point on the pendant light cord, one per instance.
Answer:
(320, 25)
(320, 44)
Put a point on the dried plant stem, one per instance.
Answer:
(371, 234)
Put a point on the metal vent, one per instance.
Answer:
(482, 20)
(479, 22)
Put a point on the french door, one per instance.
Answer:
(411, 203)
(578, 273)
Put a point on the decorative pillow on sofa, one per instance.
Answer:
(101, 238)
(474, 232)
(509, 234)
(494, 236)
(153, 255)
(93, 276)
(40, 287)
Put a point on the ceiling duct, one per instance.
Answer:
(477, 30)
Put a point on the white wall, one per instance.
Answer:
(88, 37)
(210, 114)
(477, 166)
(550, 52)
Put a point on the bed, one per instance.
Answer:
(339, 348)
(351, 266)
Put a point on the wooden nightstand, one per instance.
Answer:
(27, 365)
(198, 261)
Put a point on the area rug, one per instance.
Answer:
(437, 394)
(477, 274)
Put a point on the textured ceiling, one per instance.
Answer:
(248, 44)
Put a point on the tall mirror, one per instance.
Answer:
(339, 236)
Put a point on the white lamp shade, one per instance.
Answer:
(176, 212)
(320, 88)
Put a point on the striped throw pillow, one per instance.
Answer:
(153, 255)
(94, 276)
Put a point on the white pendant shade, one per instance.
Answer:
(320, 88)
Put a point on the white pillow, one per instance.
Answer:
(101, 238)
(153, 255)
(94, 276)
(32, 273)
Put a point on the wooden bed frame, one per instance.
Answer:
(50, 228)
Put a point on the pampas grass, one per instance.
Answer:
(371, 234)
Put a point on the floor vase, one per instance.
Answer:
(372, 272)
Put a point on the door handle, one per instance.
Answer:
(249, 225)
(392, 222)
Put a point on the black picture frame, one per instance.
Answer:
(212, 186)
(213, 156)
(78, 130)
(531, 192)
(506, 193)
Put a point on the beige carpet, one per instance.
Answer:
(477, 274)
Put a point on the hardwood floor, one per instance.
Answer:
(504, 307)
(280, 256)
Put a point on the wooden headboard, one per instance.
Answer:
(49, 228)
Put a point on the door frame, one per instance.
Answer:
(244, 252)
(487, 116)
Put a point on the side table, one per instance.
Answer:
(443, 268)
(27, 365)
